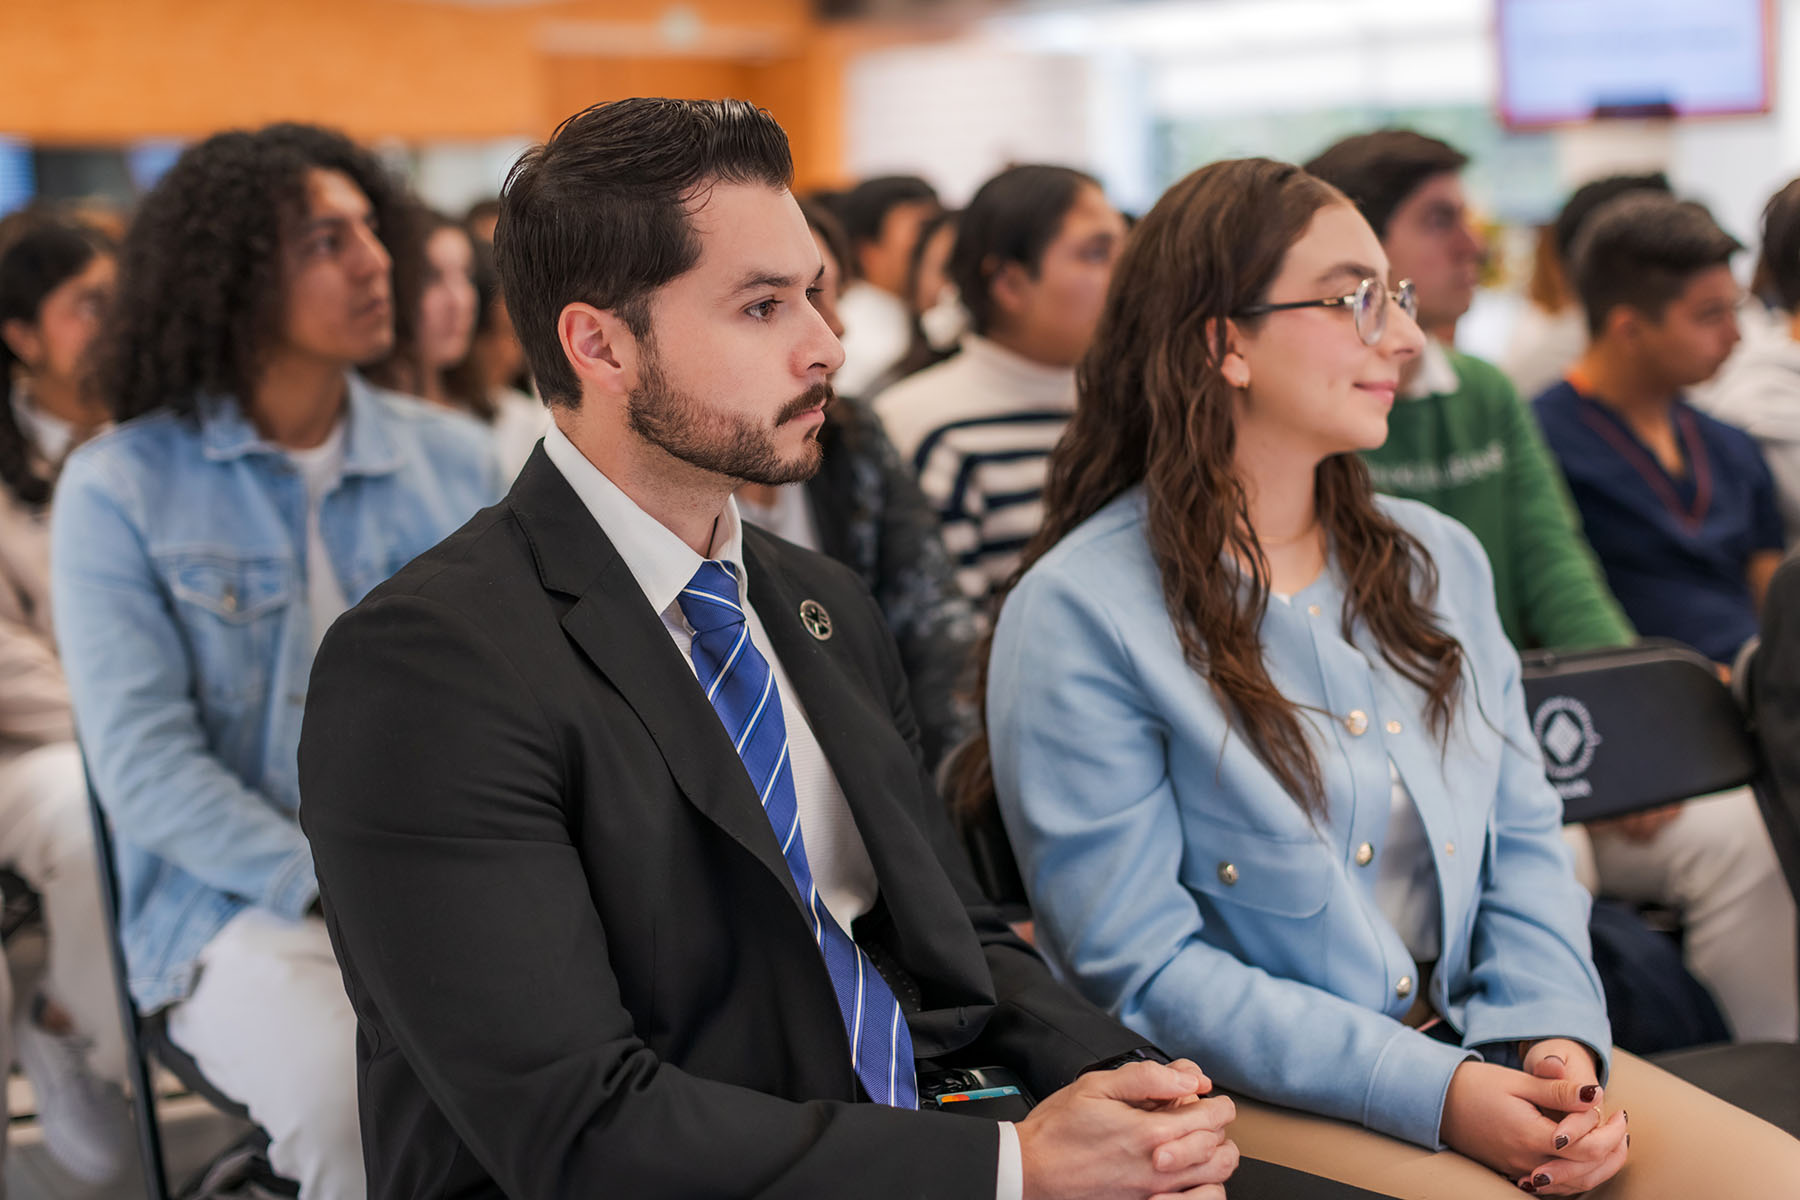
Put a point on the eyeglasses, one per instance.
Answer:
(1368, 306)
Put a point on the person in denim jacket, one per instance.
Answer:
(255, 489)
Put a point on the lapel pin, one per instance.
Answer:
(816, 619)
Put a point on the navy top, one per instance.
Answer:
(1676, 549)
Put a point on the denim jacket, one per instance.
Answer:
(178, 585)
(1180, 886)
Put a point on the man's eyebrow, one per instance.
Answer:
(758, 280)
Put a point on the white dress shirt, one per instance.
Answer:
(663, 564)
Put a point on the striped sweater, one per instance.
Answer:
(978, 430)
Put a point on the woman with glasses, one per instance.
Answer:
(1259, 740)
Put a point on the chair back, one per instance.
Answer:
(137, 1062)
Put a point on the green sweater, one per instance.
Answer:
(1476, 455)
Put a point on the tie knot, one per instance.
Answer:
(710, 600)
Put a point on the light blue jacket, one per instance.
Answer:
(1178, 885)
(178, 585)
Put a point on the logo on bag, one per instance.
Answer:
(1565, 730)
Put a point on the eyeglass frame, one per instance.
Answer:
(1403, 295)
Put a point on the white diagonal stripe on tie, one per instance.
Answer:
(705, 595)
(856, 1022)
(762, 703)
(730, 661)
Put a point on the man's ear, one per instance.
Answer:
(600, 347)
(1624, 323)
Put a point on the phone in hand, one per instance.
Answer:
(992, 1092)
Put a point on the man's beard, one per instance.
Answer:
(725, 444)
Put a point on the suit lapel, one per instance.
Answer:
(934, 938)
(613, 625)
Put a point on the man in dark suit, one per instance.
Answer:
(636, 880)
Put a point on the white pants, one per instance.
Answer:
(47, 837)
(1714, 864)
(269, 1025)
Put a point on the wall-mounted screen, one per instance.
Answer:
(1573, 60)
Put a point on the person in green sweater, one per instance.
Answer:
(1460, 439)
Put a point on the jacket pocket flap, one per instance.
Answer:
(233, 589)
(1287, 877)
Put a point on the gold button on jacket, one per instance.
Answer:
(1365, 854)
(1228, 874)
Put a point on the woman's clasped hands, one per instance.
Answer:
(1545, 1127)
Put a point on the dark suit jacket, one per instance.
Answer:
(578, 960)
(1774, 688)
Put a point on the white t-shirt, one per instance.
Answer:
(320, 469)
(519, 421)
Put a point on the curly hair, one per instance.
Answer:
(200, 296)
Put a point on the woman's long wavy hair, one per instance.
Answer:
(199, 302)
(1154, 410)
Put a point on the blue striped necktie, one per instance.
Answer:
(742, 690)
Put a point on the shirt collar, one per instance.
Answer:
(226, 431)
(660, 561)
(1436, 375)
(50, 436)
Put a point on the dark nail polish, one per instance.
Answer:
(1627, 1116)
(1589, 1092)
(1628, 1141)
(1525, 1186)
(1541, 1179)
(1562, 1139)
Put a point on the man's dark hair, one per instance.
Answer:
(600, 213)
(1594, 195)
(865, 207)
(1012, 219)
(1778, 264)
(1642, 250)
(200, 300)
(1379, 170)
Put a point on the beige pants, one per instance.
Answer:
(1684, 1144)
